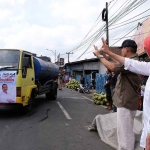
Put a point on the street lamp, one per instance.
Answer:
(53, 53)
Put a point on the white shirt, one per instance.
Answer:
(5, 97)
(144, 69)
(142, 93)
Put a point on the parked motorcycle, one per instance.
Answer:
(83, 89)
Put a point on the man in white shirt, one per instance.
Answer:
(5, 97)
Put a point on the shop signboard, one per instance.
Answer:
(61, 62)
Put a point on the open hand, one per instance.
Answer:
(96, 52)
(105, 47)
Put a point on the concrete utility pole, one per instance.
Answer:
(68, 55)
(107, 30)
(105, 18)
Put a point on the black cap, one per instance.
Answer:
(129, 43)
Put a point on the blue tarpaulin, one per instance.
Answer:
(100, 81)
(78, 77)
(88, 80)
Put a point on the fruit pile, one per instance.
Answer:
(100, 99)
(73, 84)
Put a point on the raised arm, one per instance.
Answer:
(105, 49)
(130, 64)
(137, 66)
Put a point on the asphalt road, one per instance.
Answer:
(53, 125)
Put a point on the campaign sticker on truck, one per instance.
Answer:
(7, 86)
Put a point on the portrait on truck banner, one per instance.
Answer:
(7, 86)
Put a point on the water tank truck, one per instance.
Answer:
(25, 76)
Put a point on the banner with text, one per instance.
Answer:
(7, 86)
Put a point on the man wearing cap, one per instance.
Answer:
(126, 94)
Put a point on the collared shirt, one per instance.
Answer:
(4, 98)
(127, 87)
(144, 69)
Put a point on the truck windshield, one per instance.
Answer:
(9, 59)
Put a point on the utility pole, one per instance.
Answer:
(105, 18)
(68, 55)
(107, 30)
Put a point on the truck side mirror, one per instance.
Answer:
(25, 62)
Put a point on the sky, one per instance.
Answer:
(46, 26)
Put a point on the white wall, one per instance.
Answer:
(102, 68)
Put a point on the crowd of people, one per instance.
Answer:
(62, 80)
(126, 93)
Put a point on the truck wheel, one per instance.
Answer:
(48, 96)
(54, 93)
(28, 108)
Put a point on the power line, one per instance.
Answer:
(126, 14)
(132, 35)
(112, 5)
(131, 18)
(119, 39)
(126, 34)
(128, 22)
(123, 12)
(90, 38)
(120, 15)
(94, 25)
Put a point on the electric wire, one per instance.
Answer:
(128, 22)
(97, 35)
(125, 35)
(132, 35)
(127, 13)
(112, 5)
(95, 22)
(131, 18)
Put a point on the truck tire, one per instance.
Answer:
(54, 93)
(28, 108)
(48, 96)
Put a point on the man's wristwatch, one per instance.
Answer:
(100, 56)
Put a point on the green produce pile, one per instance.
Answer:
(100, 99)
(73, 84)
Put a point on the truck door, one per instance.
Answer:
(27, 74)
